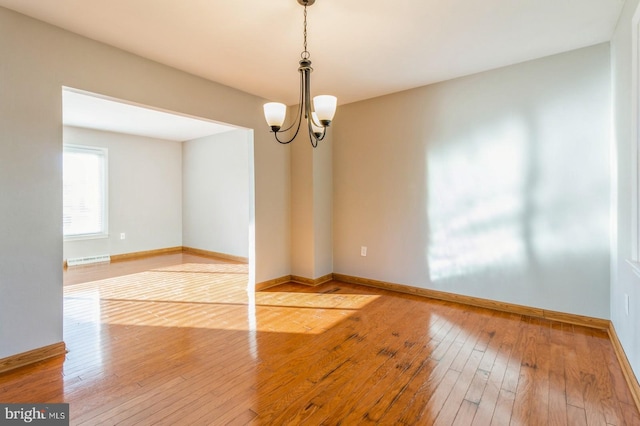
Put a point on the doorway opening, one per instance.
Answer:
(173, 180)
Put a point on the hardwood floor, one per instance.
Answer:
(179, 340)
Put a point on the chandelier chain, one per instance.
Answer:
(305, 53)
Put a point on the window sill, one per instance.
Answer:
(635, 266)
(85, 237)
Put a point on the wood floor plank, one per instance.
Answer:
(380, 345)
(335, 402)
(576, 416)
(431, 410)
(541, 374)
(489, 399)
(504, 408)
(572, 370)
(436, 385)
(494, 362)
(514, 364)
(410, 363)
(449, 411)
(605, 381)
(557, 387)
(404, 363)
(630, 415)
(177, 340)
(466, 413)
(587, 361)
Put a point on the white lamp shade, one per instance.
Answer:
(316, 128)
(274, 113)
(325, 107)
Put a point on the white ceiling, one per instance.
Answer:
(360, 49)
(82, 109)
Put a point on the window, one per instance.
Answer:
(84, 179)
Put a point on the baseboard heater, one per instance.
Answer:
(89, 259)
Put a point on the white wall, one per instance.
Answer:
(494, 185)
(145, 193)
(624, 281)
(216, 193)
(37, 61)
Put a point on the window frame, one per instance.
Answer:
(103, 153)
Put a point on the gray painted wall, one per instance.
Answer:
(624, 281)
(216, 188)
(311, 207)
(37, 61)
(145, 193)
(494, 185)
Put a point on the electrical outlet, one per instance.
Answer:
(363, 251)
(626, 303)
(122, 236)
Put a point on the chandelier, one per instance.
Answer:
(318, 116)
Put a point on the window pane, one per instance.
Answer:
(84, 197)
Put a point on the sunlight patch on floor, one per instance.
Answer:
(211, 296)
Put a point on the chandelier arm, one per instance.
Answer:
(308, 114)
(291, 126)
(307, 94)
(309, 111)
(299, 121)
(313, 138)
(298, 112)
(314, 135)
(317, 123)
(324, 133)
